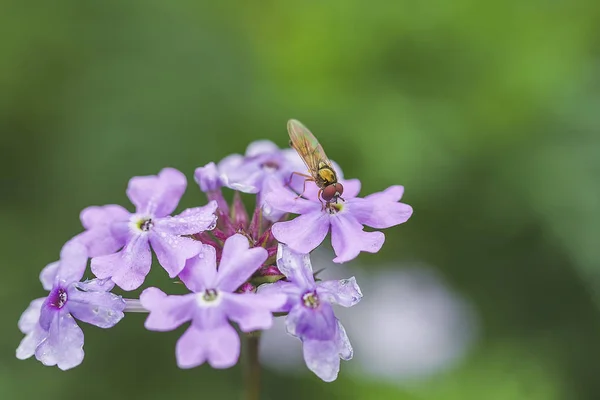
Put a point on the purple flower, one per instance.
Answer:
(52, 334)
(263, 162)
(345, 218)
(212, 304)
(310, 314)
(112, 227)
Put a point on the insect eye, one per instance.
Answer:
(339, 188)
(329, 192)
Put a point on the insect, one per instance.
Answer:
(320, 167)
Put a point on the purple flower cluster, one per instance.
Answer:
(241, 269)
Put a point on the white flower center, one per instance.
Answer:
(209, 298)
(141, 223)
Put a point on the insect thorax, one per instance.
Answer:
(326, 174)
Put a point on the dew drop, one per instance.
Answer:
(213, 225)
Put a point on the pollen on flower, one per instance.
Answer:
(310, 299)
(141, 223)
(333, 208)
(58, 298)
(145, 225)
(208, 298)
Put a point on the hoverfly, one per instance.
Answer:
(320, 167)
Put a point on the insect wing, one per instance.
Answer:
(307, 146)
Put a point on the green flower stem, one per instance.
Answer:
(251, 366)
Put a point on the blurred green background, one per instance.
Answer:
(487, 112)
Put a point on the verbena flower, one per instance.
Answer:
(345, 218)
(155, 198)
(262, 163)
(213, 303)
(52, 334)
(310, 314)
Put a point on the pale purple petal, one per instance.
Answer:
(166, 312)
(96, 285)
(351, 188)
(192, 220)
(207, 177)
(295, 266)
(252, 311)
(48, 275)
(127, 268)
(344, 347)
(172, 251)
(64, 343)
(98, 236)
(102, 309)
(238, 262)
(304, 233)
(219, 346)
(157, 195)
(31, 342)
(344, 292)
(322, 358)
(381, 210)
(282, 199)
(235, 174)
(94, 216)
(348, 238)
(30, 317)
(48, 311)
(261, 147)
(73, 260)
(209, 317)
(314, 324)
(200, 272)
(289, 289)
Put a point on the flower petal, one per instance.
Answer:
(304, 233)
(200, 272)
(192, 220)
(321, 357)
(381, 210)
(166, 312)
(236, 174)
(219, 346)
(31, 342)
(172, 251)
(48, 275)
(73, 261)
(96, 285)
(207, 177)
(282, 199)
(344, 292)
(157, 195)
(238, 262)
(127, 268)
(295, 266)
(312, 324)
(30, 317)
(344, 347)
(261, 147)
(289, 289)
(102, 309)
(94, 216)
(64, 344)
(348, 238)
(98, 236)
(252, 311)
(351, 188)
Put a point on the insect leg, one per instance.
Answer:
(321, 201)
(310, 178)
